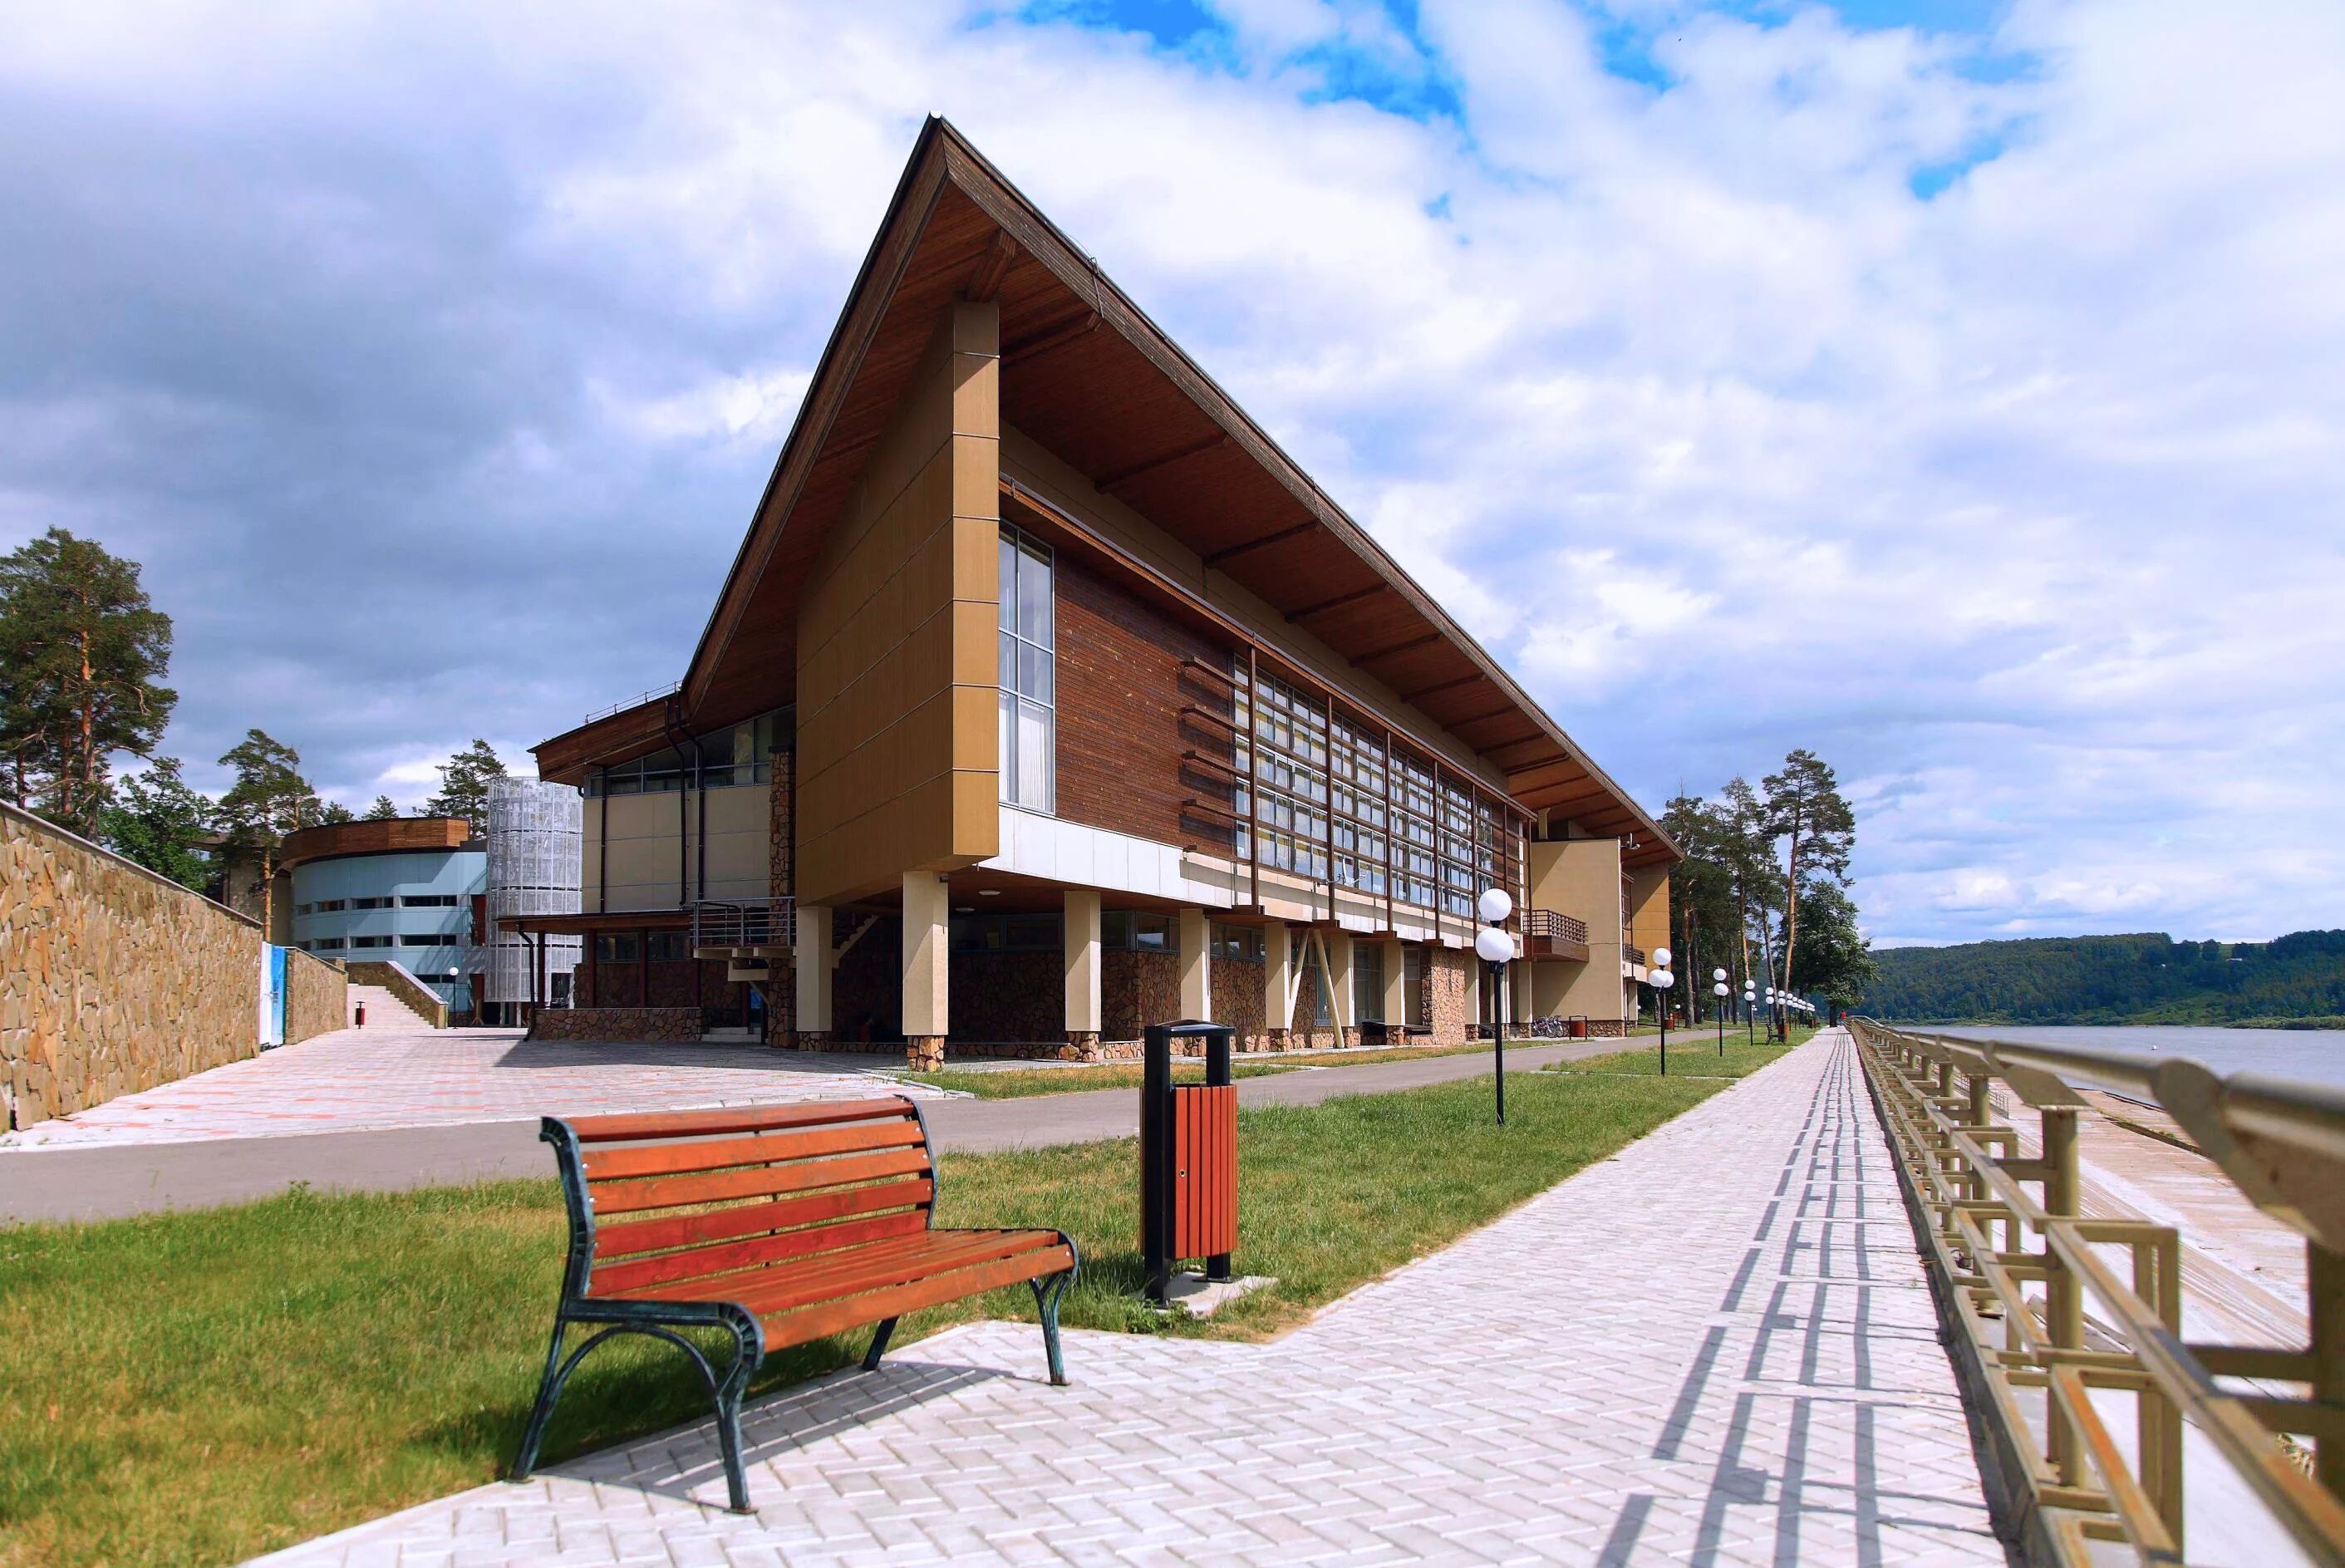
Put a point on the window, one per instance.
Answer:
(1131, 931)
(427, 939)
(1028, 675)
(373, 902)
(670, 946)
(616, 947)
(325, 945)
(1284, 743)
(1368, 981)
(327, 906)
(1009, 934)
(371, 941)
(427, 901)
(1237, 942)
(740, 753)
(303, 908)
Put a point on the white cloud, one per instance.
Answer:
(2018, 503)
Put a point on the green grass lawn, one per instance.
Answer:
(199, 1388)
(1011, 1083)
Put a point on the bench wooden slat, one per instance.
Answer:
(649, 1274)
(732, 1118)
(761, 1182)
(635, 1236)
(815, 1322)
(764, 1148)
(853, 1274)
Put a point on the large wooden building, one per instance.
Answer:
(1047, 697)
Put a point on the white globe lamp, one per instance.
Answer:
(1493, 945)
(1495, 904)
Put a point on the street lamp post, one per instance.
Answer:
(1719, 990)
(1495, 947)
(1750, 1011)
(1661, 980)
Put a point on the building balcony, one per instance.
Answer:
(1632, 956)
(1553, 935)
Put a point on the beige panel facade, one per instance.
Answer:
(630, 859)
(1579, 877)
(1647, 900)
(897, 763)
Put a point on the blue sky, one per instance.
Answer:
(1953, 388)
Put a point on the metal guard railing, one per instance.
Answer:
(1555, 927)
(2282, 1144)
(1631, 954)
(744, 922)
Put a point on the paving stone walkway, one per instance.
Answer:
(1715, 1347)
(399, 1072)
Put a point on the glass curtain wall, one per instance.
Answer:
(1332, 785)
(1029, 673)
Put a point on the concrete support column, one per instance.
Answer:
(1343, 1000)
(810, 957)
(1472, 992)
(1395, 1008)
(1518, 992)
(1196, 965)
(1082, 937)
(928, 969)
(1277, 986)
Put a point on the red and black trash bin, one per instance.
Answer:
(1188, 1157)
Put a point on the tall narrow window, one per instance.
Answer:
(1029, 673)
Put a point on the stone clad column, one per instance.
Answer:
(1196, 965)
(928, 969)
(810, 957)
(1082, 942)
(1396, 1018)
(1277, 986)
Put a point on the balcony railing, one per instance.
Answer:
(1984, 1191)
(744, 922)
(1629, 954)
(1554, 926)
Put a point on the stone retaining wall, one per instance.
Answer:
(671, 1026)
(317, 996)
(114, 979)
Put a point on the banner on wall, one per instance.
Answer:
(272, 995)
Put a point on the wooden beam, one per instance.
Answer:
(1217, 557)
(1509, 711)
(1340, 599)
(1400, 647)
(991, 268)
(1036, 344)
(1115, 477)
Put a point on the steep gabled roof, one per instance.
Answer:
(1085, 372)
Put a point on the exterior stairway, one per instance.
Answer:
(385, 1011)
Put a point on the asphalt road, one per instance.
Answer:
(67, 1184)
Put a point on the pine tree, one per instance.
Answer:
(464, 786)
(83, 651)
(269, 800)
(1804, 810)
(157, 821)
(384, 809)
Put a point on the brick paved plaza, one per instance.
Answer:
(399, 1072)
(1716, 1347)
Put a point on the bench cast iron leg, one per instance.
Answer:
(549, 1389)
(880, 1338)
(1046, 1301)
(748, 1349)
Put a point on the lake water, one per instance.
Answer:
(2309, 1055)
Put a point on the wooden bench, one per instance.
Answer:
(778, 1225)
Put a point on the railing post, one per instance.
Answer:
(2157, 1419)
(2064, 1304)
(2324, 1289)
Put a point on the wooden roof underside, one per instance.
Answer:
(1088, 375)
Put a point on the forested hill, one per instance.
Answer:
(2143, 979)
